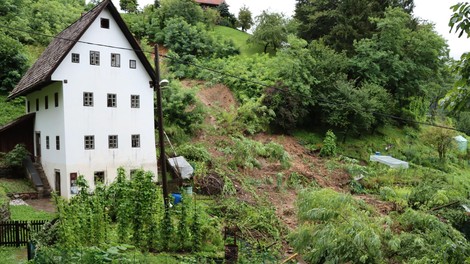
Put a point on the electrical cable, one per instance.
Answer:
(218, 72)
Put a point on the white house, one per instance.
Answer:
(93, 103)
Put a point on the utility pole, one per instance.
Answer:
(161, 142)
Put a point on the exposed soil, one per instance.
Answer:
(45, 204)
(314, 169)
(218, 96)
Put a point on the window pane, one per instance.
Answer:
(135, 141)
(135, 101)
(112, 100)
(115, 60)
(104, 23)
(132, 64)
(113, 141)
(87, 99)
(94, 57)
(89, 142)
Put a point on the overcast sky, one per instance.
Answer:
(435, 11)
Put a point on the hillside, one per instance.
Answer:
(275, 190)
(239, 38)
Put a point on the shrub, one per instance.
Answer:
(181, 108)
(329, 145)
(335, 228)
(15, 157)
(250, 118)
(194, 152)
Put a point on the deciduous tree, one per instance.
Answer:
(13, 62)
(270, 30)
(129, 6)
(244, 18)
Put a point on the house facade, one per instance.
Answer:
(93, 103)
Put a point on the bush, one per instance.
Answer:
(181, 108)
(329, 145)
(15, 157)
(336, 228)
(250, 118)
(245, 153)
(463, 122)
(194, 152)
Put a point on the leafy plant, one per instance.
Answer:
(15, 157)
(329, 145)
(335, 227)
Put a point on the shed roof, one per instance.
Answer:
(210, 2)
(40, 73)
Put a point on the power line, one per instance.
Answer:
(218, 72)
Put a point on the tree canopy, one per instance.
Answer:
(244, 18)
(339, 23)
(271, 30)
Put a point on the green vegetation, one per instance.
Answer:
(239, 39)
(347, 79)
(12, 255)
(28, 213)
(16, 185)
(10, 109)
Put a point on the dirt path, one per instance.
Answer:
(45, 204)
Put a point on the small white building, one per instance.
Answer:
(93, 102)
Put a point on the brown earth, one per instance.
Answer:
(316, 170)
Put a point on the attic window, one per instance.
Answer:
(104, 23)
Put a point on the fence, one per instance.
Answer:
(18, 233)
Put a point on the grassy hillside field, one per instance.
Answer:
(239, 38)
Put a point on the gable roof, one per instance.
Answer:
(39, 75)
(210, 2)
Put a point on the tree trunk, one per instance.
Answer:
(266, 47)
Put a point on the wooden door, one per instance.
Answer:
(57, 182)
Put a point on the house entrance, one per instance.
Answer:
(38, 146)
(57, 182)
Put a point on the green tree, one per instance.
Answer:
(49, 17)
(270, 30)
(441, 139)
(228, 19)
(401, 57)
(458, 99)
(244, 18)
(129, 6)
(339, 23)
(188, 10)
(13, 62)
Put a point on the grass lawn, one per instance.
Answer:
(28, 213)
(239, 38)
(13, 255)
(16, 185)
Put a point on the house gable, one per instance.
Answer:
(39, 75)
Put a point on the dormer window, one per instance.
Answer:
(104, 23)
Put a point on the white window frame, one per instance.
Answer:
(112, 100)
(87, 99)
(135, 141)
(135, 101)
(89, 142)
(94, 57)
(113, 141)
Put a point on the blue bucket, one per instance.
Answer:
(176, 198)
